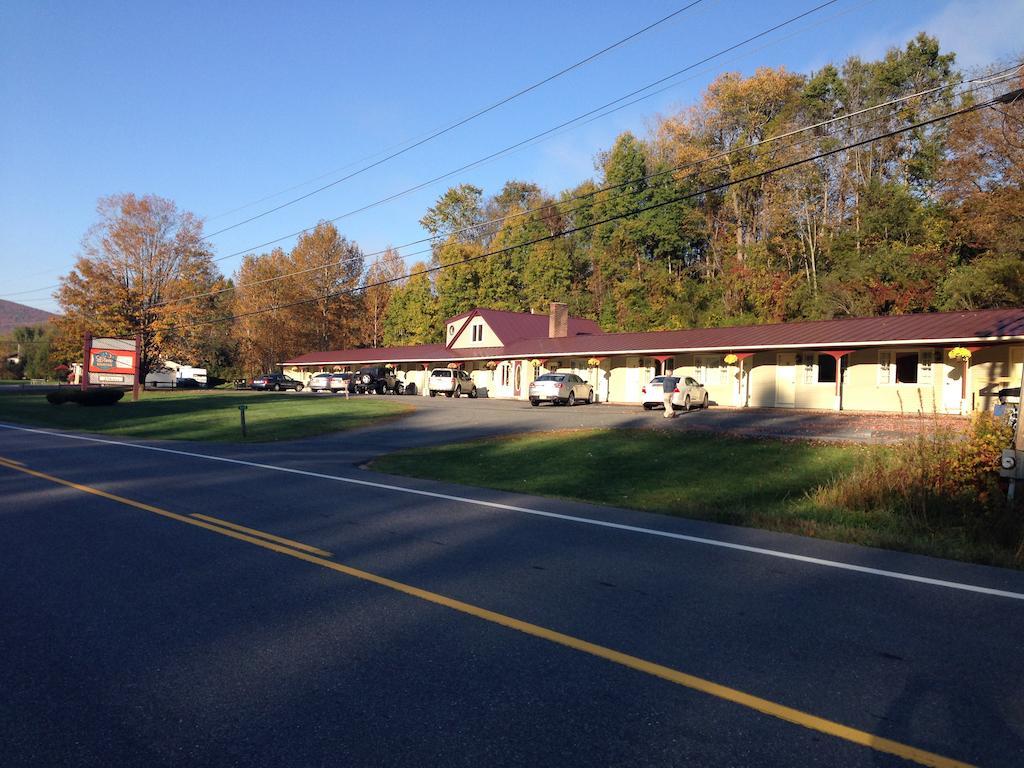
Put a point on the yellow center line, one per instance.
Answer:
(263, 535)
(756, 703)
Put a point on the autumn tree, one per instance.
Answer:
(304, 300)
(262, 324)
(382, 278)
(139, 268)
(412, 314)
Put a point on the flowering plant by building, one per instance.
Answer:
(960, 353)
(453, 366)
(594, 362)
(730, 359)
(491, 364)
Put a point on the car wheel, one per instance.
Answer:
(458, 392)
(277, 387)
(572, 399)
(705, 403)
(472, 393)
(590, 397)
(298, 388)
(448, 394)
(686, 403)
(535, 403)
(648, 406)
(433, 393)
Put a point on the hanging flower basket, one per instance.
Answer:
(960, 353)
(594, 362)
(535, 363)
(731, 359)
(491, 365)
(454, 366)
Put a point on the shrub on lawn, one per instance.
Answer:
(941, 479)
(57, 396)
(91, 396)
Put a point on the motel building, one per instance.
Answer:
(898, 364)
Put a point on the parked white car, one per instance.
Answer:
(451, 383)
(689, 393)
(558, 388)
(321, 382)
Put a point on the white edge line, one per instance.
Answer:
(553, 515)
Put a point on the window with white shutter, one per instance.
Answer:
(885, 368)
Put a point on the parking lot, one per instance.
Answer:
(443, 419)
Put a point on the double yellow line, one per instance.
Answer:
(319, 557)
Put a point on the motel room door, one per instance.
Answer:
(785, 380)
(952, 386)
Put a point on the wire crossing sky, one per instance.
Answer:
(217, 106)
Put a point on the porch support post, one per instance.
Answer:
(426, 380)
(600, 371)
(965, 403)
(838, 355)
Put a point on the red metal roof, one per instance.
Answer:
(931, 328)
(511, 327)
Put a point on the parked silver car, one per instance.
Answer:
(558, 388)
(689, 393)
(451, 383)
(340, 381)
(321, 382)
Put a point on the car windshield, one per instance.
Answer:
(552, 377)
(658, 380)
(442, 373)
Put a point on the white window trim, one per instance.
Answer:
(817, 370)
(922, 366)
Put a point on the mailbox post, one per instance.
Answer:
(241, 414)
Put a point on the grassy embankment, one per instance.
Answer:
(803, 488)
(204, 415)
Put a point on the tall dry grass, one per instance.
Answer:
(943, 479)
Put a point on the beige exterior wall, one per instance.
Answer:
(782, 379)
(465, 341)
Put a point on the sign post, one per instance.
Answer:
(86, 347)
(241, 414)
(138, 358)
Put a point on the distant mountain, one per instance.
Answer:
(13, 315)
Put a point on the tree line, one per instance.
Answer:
(930, 219)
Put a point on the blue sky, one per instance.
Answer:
(217, 105)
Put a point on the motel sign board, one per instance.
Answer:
(112, 362)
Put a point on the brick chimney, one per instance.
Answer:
(558, 321)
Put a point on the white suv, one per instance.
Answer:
(451, 383)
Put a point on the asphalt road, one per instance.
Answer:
(439, 626)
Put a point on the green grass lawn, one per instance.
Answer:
(766, 484)
(203, 415)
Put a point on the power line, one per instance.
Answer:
(707, 190)
(978, 82)
(981, 82)
(463, 121)
(536, 136)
